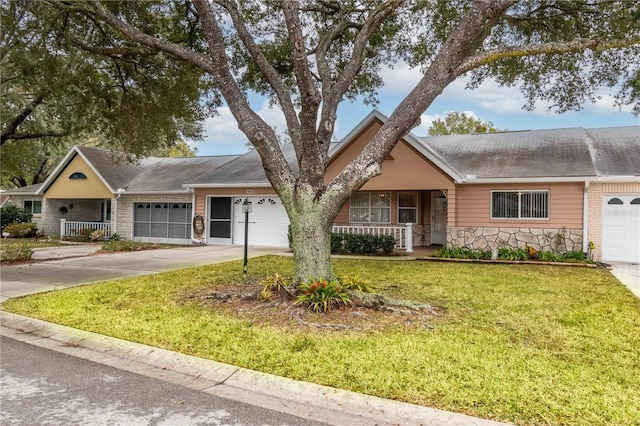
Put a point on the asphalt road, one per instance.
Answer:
(42, 387)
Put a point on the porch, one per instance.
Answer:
(73, 228)
(403, 234)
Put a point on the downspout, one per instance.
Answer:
(193, 215)
(119, 193)
(585, 218)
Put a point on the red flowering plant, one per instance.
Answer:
(321, 295)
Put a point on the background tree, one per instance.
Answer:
(310, 55)
(57, 89)
(459, 123)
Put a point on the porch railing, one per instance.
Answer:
(402, 233)
(69, 228)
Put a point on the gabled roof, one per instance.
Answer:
(411, 139)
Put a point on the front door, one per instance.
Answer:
(438, 219)
(220, 210)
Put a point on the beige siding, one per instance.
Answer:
(91, 187)
(472, 205)
(596, 192)
(404, 168)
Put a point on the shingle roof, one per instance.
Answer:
(114, 168)
(246, 168)
(616, 150)
(573, 152)
(170, 174)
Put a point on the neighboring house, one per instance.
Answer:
(549, 189)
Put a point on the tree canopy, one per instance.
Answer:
(75, 79)
(458, 123)
(310, 55)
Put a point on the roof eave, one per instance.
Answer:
(228, 185)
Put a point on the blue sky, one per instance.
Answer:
(500, 105)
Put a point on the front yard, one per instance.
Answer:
(525, 344)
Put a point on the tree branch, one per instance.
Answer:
(22, 136)
(9, 132)
(578, 45)
(270, 73)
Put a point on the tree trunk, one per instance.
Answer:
(311, 223)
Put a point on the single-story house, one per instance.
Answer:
(554, 189)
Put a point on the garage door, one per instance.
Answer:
(621, 228)
(268, 222)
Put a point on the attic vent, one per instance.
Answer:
(78, 175)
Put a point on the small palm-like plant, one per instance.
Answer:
(321, 295)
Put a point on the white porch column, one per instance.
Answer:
(63, 225)
(409, 237)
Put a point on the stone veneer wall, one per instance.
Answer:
(547, 239)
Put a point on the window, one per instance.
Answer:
(520, 204)
(33, 207)
(615, 201)
(370, 207)
(78, 175)
(408, 207)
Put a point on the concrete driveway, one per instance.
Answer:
(77, 265)
(628, 274)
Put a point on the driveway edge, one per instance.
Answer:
(306, 400)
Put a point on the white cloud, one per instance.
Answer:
(489, 95)
(222, 135)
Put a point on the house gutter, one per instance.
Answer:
(585, 218)
(119, 193)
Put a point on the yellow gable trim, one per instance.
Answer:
(91, 187)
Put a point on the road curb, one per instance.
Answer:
(306, 400)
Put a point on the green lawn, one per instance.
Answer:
(30, 242)
(518, 343)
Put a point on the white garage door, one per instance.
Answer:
(268, 222)
(621, 228)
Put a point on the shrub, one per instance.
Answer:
(508, 253)
(119, 245)
(367, 243)
(321, 295)
(573, 256)
(16, 253)
(22, 230)
(13, 214)
(462, 253)
(274, 282)
(547, 256)
(97, 235)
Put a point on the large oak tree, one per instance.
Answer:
(311, 55)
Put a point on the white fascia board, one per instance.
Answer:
(65, 161)
(61, 165)
(228, 185)
(174, 192)
(549, 179)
